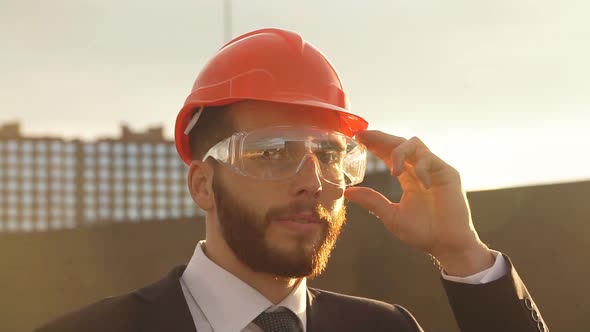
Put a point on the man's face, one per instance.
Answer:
(289, 227)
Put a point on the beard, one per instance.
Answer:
(245, 232)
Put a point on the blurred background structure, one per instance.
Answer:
(53, 183)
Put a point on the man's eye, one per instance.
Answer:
(274, 154)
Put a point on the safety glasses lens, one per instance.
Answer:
(280, 153)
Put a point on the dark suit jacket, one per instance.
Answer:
(502, 305)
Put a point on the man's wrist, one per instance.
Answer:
(468, 262)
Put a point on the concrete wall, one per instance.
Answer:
(544, 230)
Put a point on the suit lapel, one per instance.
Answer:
(321, 316)
(309, 312)
(167, 309)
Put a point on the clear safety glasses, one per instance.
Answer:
(277, 153)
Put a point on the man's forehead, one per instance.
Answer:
(250, 115)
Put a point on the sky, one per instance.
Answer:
(499, 89)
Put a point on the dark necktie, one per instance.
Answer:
(282, 320)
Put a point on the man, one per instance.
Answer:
(273, 152)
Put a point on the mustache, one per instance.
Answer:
(317, 209)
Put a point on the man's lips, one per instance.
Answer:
(304, 218)
(300, 223)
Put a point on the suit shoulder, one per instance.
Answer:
(149, 308)
(117, 313)
(353, 308)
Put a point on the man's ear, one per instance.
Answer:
(200, 184)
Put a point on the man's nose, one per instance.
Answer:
(307, 181)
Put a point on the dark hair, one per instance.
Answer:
(214, 125)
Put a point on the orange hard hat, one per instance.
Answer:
(267, 65)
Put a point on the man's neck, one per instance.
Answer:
(275, 289)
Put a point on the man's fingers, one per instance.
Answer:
(423, 169)
(377, 136)
(380, 143)
(373, 201)
(410, 151)
(397, 152)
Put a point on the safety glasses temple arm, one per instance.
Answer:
(220, 151)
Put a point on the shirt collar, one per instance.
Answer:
(229, 304)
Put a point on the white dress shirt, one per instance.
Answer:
(220, 302)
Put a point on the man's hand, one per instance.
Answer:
(433, 214)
